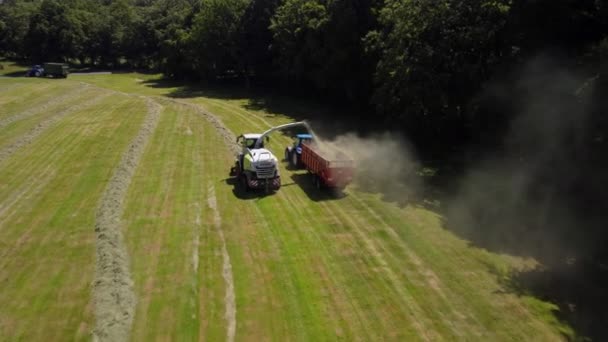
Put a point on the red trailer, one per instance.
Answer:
(329, 167)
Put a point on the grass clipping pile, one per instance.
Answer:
(113, 293)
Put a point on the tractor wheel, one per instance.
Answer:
(286, 154)
(37, 74)
(294, 160)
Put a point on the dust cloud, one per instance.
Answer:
(542, 193)
(532, 184)
(385, 162)
(522, 197)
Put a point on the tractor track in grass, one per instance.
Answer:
(248, 118)
(42, 107)
(113, 293)
(196, 232)
(340, 294)
(392, 280)
(13, 86)
(216, 122)
(229, 298)
(35, 184)
(338, 303)
(433, 283)
(14, 95)
(32, 187)
(41, 127)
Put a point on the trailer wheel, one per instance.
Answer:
(317, 182)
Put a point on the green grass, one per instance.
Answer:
(49, 192)
(355, 268)
(12, 68)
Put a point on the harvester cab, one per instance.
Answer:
(256, 167)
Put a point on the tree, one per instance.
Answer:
(256, 38)
(434, 56)
(215, 37)
(14, 24)
(49, 36)
(320, 45)
(298, 28)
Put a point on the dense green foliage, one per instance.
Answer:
(419, 63)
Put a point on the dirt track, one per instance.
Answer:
(113, 293)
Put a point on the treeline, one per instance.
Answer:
(421, 63)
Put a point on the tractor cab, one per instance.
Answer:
(301, 139)
(293, 153)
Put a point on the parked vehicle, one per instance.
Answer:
(56, 70)
(35, 71)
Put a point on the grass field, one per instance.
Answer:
(204, 263)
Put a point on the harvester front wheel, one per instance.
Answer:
(243, 183)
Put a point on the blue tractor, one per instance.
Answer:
(35, 71)
(293, 154)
